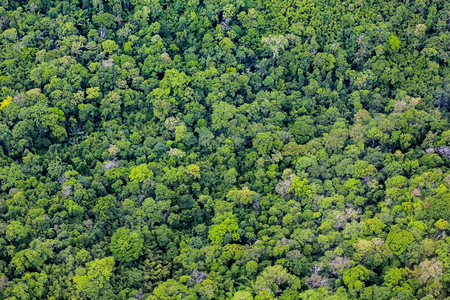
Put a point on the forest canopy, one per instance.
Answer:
(218, 149)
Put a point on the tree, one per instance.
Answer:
(243, 295)
(274, 279)
(105, 208)
(303, 129)
(300, 187)
(354, 278)
(222, 114)
(16, 232)
(430, 269)
(170, 289)
(393, 277)
(93, 280)
(34, 257)
(193, 170)
(265, 142)
(126, 245)
(110, 46)
(398, 241)
(29, 286)
(394, 42)
(243, 196)
(140, 173)
(225, 232)
(276, 44)
(7, 101)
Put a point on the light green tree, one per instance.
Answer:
(126, 245)
(398, 241)
(140, 173)
(91, 280)
(224, 232)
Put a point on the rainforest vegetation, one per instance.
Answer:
(224, 149)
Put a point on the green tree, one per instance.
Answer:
(225, 232)
(273, 279)
(398, 241)
(126, 245)
(93, 280)
(244, 196)
(355, 277)
(140, 173)
(300, 187)
(109, 46)
(170, 289)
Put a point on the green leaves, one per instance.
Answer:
(168, 290)
(222, 114)
(126, 245)
(274, 278)
(220, 149)
(34, 257)
(109, 46)
(300, 187)
(399, 240)
(16, 232)
(140, 173)
(355, 277)
(265, 142)
(394, 42)
(225, 232)
(94, 279)
(243, 196)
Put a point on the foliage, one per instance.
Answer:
(257, 149)
(125, 245)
